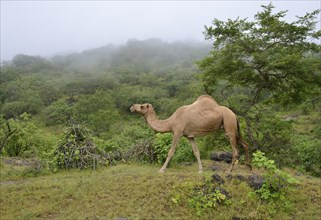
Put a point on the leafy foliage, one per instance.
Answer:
(202, 197)
(97, 110)
(309, 154)
(276, 182)
(162, 145)
(273, 136)
(21, 137)
(256, 67)
(59, 112)
(26, 94)
(267, 54)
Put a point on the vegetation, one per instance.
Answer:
(276, 182)
(259, 67)
(76, 149)
(203, 197)
(67, 112)
(136, 191)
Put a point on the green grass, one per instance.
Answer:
(303, 122)
(136, 191)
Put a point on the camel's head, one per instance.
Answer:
(141, 108)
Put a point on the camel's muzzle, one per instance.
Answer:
(132, 108)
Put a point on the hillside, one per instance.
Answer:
(136, 191)
(72, 111)
(71, 146)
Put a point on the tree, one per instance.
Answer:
(8, 73)
(26, 94)
(268, 54)
(58, 112)
(97, 110)
(255, 64)
(31, 64)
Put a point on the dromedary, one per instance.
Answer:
(203, 116)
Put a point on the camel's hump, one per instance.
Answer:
(206, 97)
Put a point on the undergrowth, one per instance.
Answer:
(201, 197)
(277, 184)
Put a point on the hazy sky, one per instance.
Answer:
(47, 28)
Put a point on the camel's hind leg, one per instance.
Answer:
(197, 154)
(232, 138)
(246, 152)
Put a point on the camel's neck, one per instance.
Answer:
(161, 126)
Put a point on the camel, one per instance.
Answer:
(203, 116)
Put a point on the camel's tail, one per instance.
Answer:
(241, 142)
(239, 134)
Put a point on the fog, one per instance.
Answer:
(47, 28)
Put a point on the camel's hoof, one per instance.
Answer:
(161, 171)
(200, 171)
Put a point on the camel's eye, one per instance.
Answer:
(141, 106)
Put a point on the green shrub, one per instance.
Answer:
(214, 142)
(58, 113)
(162, 144)
(97, 110)
(124, 137)
(308, 151)
(276, 182)
(16, 108)
(273, 136)
(21, 137)
(201, 197)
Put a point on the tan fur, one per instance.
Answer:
(203, 116)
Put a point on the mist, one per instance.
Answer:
(48, 28)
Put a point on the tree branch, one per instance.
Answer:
(7, 136)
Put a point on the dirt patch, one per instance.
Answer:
(21, 162)
(11, 182)
(291, 117)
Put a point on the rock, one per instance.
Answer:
(217, 178)
(216, 168)
(298, 174)
(240, 177)
(222, 156)
(237, 176)
(255, 181)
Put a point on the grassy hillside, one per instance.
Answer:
(136, 191)
(84, 98)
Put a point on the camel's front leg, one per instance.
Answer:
(197, 154)
(170, 152)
